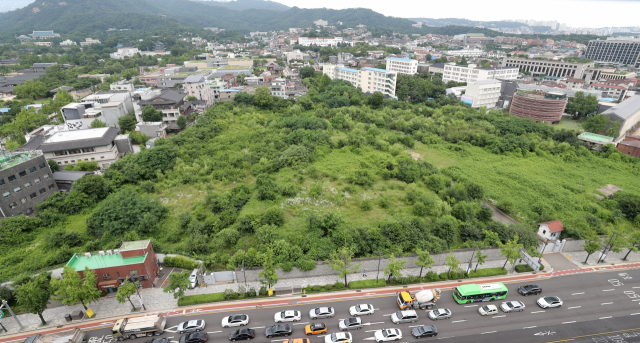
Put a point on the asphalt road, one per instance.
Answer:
(594, 303)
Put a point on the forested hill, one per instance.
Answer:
(241, 5)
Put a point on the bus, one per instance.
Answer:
(476, 293)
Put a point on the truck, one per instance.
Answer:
(424, 299)
(67, 336)
(132, 328)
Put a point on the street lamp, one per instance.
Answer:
(379, 259)
(139, 296)
(244, 274)
(608, 247)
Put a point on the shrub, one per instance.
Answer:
(263, 290)
(328, 287)
(488, 272)
(286, 266)
(365, 205)
(180, 262)
(201, 299)
(306, 264)
(384, 202)
(367, 284)
(230, 294)
(273, 216)
(338, 285)
(316, 288)
(431, 277)
(523, 268)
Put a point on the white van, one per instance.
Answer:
(193, 278)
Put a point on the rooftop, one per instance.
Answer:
(400, 59)
(625, 109)
(133, 245)
(348, 69)
(377, 70)
(12, 160)
(64, 136)
(234, 67)
(595, 137)
(78, 262)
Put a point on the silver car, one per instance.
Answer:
(190, 326)
(408, 316)
(512, 306)
(442, 313)
(354, 323)
(322, 312)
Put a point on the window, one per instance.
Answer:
(106, 276)
(118, 274)
(17, 189)
(6, 194)
(42, 165)
(29, 210)
(133, 272)
(13, 205)
(11, 178)
(23, 200)
(22, 173)
(43, 190)
(544, 231)
(27, 185)
(33, 195)
(51, 186)
(46, 176)
(37, 180)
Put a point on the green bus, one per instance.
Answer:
(476, 293)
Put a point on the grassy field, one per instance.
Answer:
(569, 124)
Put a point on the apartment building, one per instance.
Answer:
(196, 86)
(25, 180)
(483, 93)
(472, 73)
(320, 41)
(622, 50)
(617, 92)
(471, 53)
(368, 79)
(402, 65)
(549, 68)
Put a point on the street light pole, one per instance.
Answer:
(245, 275)
(139, 296)
(607, 247)
(6, 305)
(379, 259)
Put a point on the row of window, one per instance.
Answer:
(23, 173)
(106, 276)
(73, 151)
(32, 196)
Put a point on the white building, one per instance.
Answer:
(483, 93)
(321, 22)
(368, 79)
(122, 86)
(67, 42)
(196, 86)
(402, 65)
(550, 231)
(471, 73)
(124, 52)
(320, 41)
(465, 53)
(89, 41)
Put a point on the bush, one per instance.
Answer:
(488, 272)
(315, 288)
(201, 299)
(405, 280)
(180, 262)
(365, 205)
(305, 264)
(286, 266)
(230, 294)
(523, 268)
(339, 285)
(328, 287)
(367, 284)
(263, 291)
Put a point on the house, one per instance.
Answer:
(89, 41)
(196, 86)
(550, 231)
(152, 129)
(172, 104)
(44, 34)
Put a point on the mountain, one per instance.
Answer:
(241, 5)
(467, 22)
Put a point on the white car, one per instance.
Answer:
(191, 326)
(548, 302)
(361, 310)
(512, 306)
(387, 335)
(235, 320)
(338, 337)
(442, 313)
(488, 310)
(287, 316)
(322, 312)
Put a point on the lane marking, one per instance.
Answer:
(278, 340)
(635, 314)
(636, 300)
(498, 316)
(635, 287)
(573, 307)
(301, 323)
(606, 303)
(568, 322)
(577, 293)
(368, 339)
(213, 331)
(471, 306)
(446, 337)
(488, 332)
(537, 312)
(386, 315)
(371, 331)
(604, 317)
(375, 323)
(530, 327)
(608, 290)
(459, 321)
(257, 327)
(414, 326)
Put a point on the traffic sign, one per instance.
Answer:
(90, 313)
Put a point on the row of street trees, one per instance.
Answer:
(615, 242)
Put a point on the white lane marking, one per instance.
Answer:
(414, 326)
(537, 311)
(278, 340)
(459, 321)
(530, 327)
(323, 335)
(471, 305)
(376, 309)
(573, 307)
(488, 332)
(213, 331)
(636, 300)
(568, 322)
(368, 339)
(257, 327)
(606, 303)
(577, 293)
(386, 315)
(635, 314)
(446, 337)
(635, 287)
(499, 316)
(608, 290)
(604, 317)
(374, 323)
(301, 323)
(371, 330)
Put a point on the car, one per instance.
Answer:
(191, 326)
(361, 310)
(194, 337)
(158, 340)
(387, 335)
(549, 302)
(235, 320)
(278, 330)
(488, 310)
(193, 278)
(315, 329)
(424, 331)
(407, 316)
(512, 306)
(529, 290)
(241, 334)
(353, 323)
(322, 312)
(287, 316)
(338, 337)
(442, 313)
(297, 340)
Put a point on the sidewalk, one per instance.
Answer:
(578, 257)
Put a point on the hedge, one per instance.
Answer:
(488, 272)
(201, 299)
(181, 262)
(523, 268)
(367, 284)
(338, 286)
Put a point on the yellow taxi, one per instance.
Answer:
(298, 340)
(315, 329)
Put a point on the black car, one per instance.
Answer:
(277, 330)
(530, 290)
(423, 331)
(194, 337)
(158, 340)
(242, 334)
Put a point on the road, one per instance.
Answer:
(596, 303)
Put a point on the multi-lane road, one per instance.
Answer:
(598, 307)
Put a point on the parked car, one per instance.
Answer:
(193, 278)
(408, 316)
(315, 329)
(387, 335)
(529, 290)
(194, 337)
(338, 337)
(488, 310)
(549, 302)
(423, 331)
(353, 323)
(442, 313)
(512, 306)
(361, 310)
(287, 316)
(322, 312)
(242, 334)
(297, 340)
(278, 330)
(156, 340)
(235, 320)
(191, 326)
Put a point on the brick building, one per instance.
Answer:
(135, 259)
(630, 146)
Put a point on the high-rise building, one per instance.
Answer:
(402, 65)
(482, 93)
(623, 50)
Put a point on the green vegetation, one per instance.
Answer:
(33, 295)
(367, 284)
(524, 268)
(180, 262)
(73, 288)
(178, 284)
(125, 291)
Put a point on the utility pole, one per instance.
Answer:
(244, 274)
(139, 296)
(379, 259)
(471, 259)
(607, 248)
(6, 305)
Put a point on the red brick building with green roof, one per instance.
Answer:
(135, 259)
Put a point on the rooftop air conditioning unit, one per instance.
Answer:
(116, 251)
(87, 255)
(101, 252)
(109, 252)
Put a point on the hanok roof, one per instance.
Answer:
(89, 138)
(554, 226)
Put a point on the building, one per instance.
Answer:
(228, 94)
(630, 146)
(67, 42)
(483, 93)
(106, 107)
(65, 178)
(594, 140)
(89, 41)
(627, 113)
(549, 68)
(572, 83)
(321, 22)
(25, 180)
(196, 86)
(172, 104)
(471, 53)
(402, 65)
(152, 129)
(622, 50)
(122, 85)
(159, 47)
(369, 80)
(609, 91)
(320, 41)
(550, 231)
(44, 34)
(124, 52)
(135, 260)
(472, 73)
(540, 106)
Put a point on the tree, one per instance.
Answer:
(614, 130)
(127, 123)
(306, 72)
(376, 99)
(73, 289)
(394, 267)
(178, 283)
(632, 243)
(53, 165)
(424, 260)
(33, 297)
(182, 122)
(592, 245)
(595, 124)
(491, 238)
(340, 261)
(263, 98)
(32, 89)
(463, 61)
(582, 106)
(149, 113)
(510, 251)
(97, 123)
(191, 98)
(452, 262)
(479, 259)
(94, 186)
(268, 274)
(127, 289)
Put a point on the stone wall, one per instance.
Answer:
(573, 245)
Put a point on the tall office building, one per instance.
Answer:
(623, 50)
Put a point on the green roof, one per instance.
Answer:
(78, 262)
(595, 137)
(132, 245)
(234, 67)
